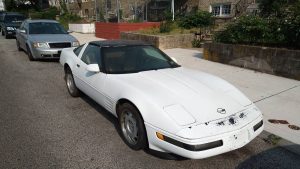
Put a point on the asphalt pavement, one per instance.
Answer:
(42, 126)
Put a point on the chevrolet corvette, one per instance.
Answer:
(159, 104)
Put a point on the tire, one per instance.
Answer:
(18, 45)
(2, 33)
(29, 54)
(132, 127)
(6, 36)
(70, 83)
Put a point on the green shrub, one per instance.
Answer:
(196, 43)
(199, 19)
(67, 18)
(49, 13)
(273, 28)
(247, 29)
(165, 27)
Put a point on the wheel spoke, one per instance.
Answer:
(129, 127)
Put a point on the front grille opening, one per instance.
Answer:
(56, 55)
(46, 56)
(60, 45)
(258, 125)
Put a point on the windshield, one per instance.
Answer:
(14, 18)
(132, 59)
(46, 28)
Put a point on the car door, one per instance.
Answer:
(91, 83)
(22, 37)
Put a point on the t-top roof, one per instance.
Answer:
(117, 43)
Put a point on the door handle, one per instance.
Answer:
(77, 65)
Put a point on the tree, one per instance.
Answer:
(24, 5)
(273, 7)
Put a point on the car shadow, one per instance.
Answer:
(42, 60)
(273, 158)
(111, 118)
(10, 37)
(198, 55)
(48, 60)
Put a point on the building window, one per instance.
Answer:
(216, 10)
(226, 9)
(221, 9)
(86, 12)
(108, 4)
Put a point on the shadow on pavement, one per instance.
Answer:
(198, 55)
(115, 122)
(273, 159)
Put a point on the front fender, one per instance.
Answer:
(149, 110)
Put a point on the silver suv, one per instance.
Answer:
(43, 39)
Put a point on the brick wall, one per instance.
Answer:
(162, 42)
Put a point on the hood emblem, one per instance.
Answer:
(221, 110)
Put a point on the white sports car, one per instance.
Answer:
(159, 104)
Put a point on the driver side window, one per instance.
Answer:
(91, 55)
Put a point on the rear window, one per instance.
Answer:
(14, 18)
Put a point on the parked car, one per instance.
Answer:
(10, 22)
(43, 39)
(160, 104)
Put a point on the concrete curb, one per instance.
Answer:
(278, 141)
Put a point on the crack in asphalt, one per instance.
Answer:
(276, 94)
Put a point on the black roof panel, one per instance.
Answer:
(116, 43)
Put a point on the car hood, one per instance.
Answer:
(188, 96)
(52, 38)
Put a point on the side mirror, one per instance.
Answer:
(175, 60)
(22, 30)
(93, 68)
(69, 31)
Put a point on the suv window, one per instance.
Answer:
(78, 49)
(1, 17)
(91, 55)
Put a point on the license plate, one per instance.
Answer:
(240, 139)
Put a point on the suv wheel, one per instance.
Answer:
(18, 45)
(29, 54)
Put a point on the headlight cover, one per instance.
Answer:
(75, 44)
(40, 45)
(179, 114)
(10, 28)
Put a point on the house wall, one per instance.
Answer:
(205, 4)
(84, 9)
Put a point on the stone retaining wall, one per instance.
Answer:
(162, 42)
(277, 61)
(82, 28)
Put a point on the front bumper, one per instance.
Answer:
(40, 53)
(11, 33)
(230, 141)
